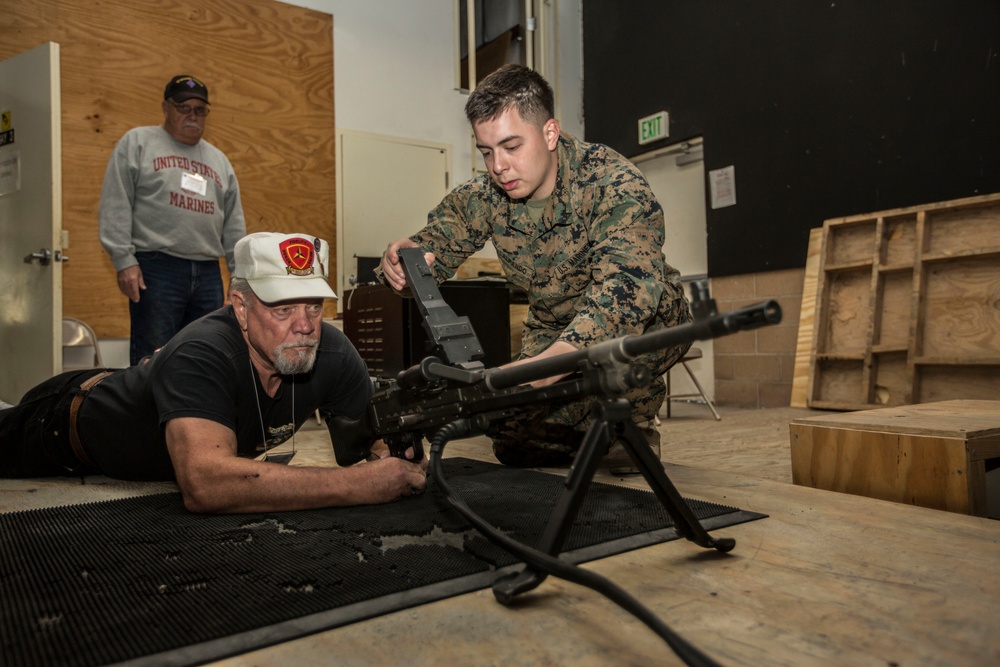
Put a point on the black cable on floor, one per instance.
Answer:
(553, 566)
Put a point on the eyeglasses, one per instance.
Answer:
(185, 109)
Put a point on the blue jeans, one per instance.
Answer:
(178, 291)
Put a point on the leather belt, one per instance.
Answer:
(74, 411)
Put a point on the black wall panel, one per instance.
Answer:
(825, 108)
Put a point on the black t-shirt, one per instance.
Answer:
(205, 372)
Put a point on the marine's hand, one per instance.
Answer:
(557, 348)
(392, 269)
(130, 282)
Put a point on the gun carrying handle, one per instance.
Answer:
(415, 376)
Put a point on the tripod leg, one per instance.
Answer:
(685, 522)
(594, 446)
(612, 418)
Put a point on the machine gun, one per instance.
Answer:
(450, 394)
(451, 384)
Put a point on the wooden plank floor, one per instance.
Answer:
(827, 579)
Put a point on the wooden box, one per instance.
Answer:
(907, 307)
(934, 455)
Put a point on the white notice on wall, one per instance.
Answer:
(10, 172)
(723, 185)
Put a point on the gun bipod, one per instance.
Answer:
(611, 420)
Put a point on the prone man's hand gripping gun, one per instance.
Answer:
(452, 385)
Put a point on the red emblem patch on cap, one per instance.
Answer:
(298, 254)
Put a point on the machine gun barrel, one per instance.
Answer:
(625, 349)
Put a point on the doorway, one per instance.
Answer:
(676, 175)
(386, 188)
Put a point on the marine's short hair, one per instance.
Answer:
(512, 86)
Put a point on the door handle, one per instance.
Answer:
(44, 256)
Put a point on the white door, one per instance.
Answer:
(678, 181)
(30, 221)
(386, 188)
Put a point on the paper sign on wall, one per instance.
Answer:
(723, 186)
(10, 172)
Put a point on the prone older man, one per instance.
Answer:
(207, 408)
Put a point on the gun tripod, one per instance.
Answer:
(452, 395)
(612, 419)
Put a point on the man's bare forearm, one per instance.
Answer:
(245, 486)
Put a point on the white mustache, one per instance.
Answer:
(307, 342)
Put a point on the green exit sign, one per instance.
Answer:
(653, 128)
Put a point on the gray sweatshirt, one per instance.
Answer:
(162, 195)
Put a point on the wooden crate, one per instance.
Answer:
(933, 455)
(908, 307)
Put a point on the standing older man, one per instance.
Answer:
(208, 407)
(170, 207)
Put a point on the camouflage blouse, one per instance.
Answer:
(593, 267)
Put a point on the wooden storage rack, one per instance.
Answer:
(908, 307)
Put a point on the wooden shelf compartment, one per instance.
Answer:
(847, 308)
(852, 243)
(898, 242)
(840, 380)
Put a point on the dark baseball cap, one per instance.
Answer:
(185, 87)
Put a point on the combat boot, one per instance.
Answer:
(618, 462)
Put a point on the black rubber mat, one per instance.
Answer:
(141, 580)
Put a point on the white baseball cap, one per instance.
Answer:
(281, 267)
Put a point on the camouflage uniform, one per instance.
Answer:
(593, 270)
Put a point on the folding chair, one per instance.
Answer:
(78, 334)
(692, 354)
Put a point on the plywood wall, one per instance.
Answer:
(269, 69)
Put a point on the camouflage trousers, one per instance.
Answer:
(550, 435)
